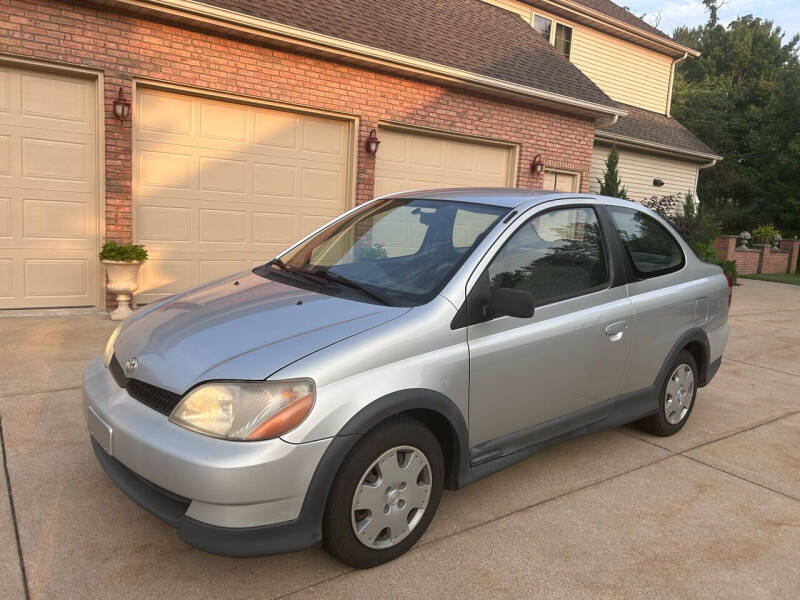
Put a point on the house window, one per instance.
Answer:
(543, 25)
(559, 36)
(563, 39)
(561, 181)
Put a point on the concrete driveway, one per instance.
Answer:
(711, 512)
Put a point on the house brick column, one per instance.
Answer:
(763, 256)
(119, 152)
(725, 246)
(793, 248)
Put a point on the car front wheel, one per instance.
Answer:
(385, 494)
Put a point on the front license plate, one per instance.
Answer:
(99, 430)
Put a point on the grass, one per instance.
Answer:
(776, 277)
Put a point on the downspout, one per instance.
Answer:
(701, 166)
(605, 122)
(675, 63)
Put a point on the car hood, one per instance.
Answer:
(240, 327)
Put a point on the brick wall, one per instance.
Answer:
(761, 258)
(125, 46)
(747, 261)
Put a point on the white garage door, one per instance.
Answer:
(412, 161)
(220, 186)
(560, 181)
(48, 190)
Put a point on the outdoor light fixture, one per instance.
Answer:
(122, 108)
(537, 166)
(373, 142)
(658, 182)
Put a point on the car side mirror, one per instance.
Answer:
(513, 303)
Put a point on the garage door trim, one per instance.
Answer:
(97, 76)
(464, 137)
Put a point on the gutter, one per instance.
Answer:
(263, 28)
(675, 63)
(711, 159)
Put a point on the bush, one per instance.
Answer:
(696, 225)
(765, 234)
(728, 267)
(123, 252)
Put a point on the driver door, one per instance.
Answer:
(534, 378)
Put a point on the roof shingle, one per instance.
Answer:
(470, 35)
(621, 14)
(647, 126)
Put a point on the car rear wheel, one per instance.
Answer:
(385, 494)
(677, 397)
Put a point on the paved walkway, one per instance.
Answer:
(711, 512)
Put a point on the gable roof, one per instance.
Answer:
(469, 35)
(656, 130)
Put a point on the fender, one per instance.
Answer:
(699, 336)
(308, 525)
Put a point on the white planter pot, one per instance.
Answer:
(123, 280)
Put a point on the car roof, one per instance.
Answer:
(505, 197)
(509, 197)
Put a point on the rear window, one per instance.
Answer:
(652, 249)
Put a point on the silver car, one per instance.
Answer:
(420, 341)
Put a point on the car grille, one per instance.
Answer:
(155, 397)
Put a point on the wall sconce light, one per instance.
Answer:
(658, 182)
(122, 108)
(537, 166)
(373, 142)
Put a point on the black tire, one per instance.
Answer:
(657, 424)
(337, 529)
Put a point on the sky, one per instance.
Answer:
(785, 13)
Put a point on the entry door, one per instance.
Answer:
(572, 354)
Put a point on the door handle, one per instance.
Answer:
(615, 330)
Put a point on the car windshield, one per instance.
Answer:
(394, 251)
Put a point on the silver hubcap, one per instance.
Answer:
(680, 390)
(391, 497)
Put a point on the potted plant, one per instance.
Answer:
(763, 235)
(122, 262)
(745, 237)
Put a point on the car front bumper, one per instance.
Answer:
(232, 498)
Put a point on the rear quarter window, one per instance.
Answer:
(652, 249)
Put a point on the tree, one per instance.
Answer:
(742, 97)
(611, 184)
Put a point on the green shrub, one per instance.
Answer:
(765, 234)
(123, 252)
(728, 267)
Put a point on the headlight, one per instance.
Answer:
(245, 410)
(109, 351)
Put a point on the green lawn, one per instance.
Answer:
(777, 277)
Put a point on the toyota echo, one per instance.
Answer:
(420, 341)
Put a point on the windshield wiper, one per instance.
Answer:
(341, 280)
(280, 264)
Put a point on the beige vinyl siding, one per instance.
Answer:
(626, 72)
(637, 171)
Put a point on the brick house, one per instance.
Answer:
(249, 119)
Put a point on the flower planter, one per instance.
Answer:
(123, 280)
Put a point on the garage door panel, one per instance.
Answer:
(394, 147)
(275, 228)
(156, 224)
(53, 97)
(276, 129)
(160, 116)
(165, 169)
(223, 175)
(247, 183)
(274, 180)
(426, 152)
(223, 226)
(48, 196)
(223, 122)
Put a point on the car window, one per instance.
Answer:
(555, 255)
(652, 249)
(404, 250)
